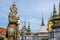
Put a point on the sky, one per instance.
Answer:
(29, 11)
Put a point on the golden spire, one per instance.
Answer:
(42, 24)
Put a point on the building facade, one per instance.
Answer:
(3, 31)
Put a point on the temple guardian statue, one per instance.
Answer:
(13, 25)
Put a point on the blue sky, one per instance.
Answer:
(29, 10)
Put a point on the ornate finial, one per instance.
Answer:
(42, 24)
(54, 12)
(54, 9)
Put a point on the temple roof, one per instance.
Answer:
(3, 31)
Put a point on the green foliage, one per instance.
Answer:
(44, 39)
(1, 38)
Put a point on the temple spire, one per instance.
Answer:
(43, 28)
(28, 29)
(42, 23)
(54, 12)
(24, 27)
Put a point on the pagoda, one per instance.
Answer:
(25, 32)
(43, 33)
(43, 27)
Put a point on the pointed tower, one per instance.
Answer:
(42, 23)
(23, 30)
(55, 19)
(28, 29)
(43, 28)
(24, 27)
(54, 15)
(12, 28)
(54, 12)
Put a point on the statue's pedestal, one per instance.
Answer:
(54, 34)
